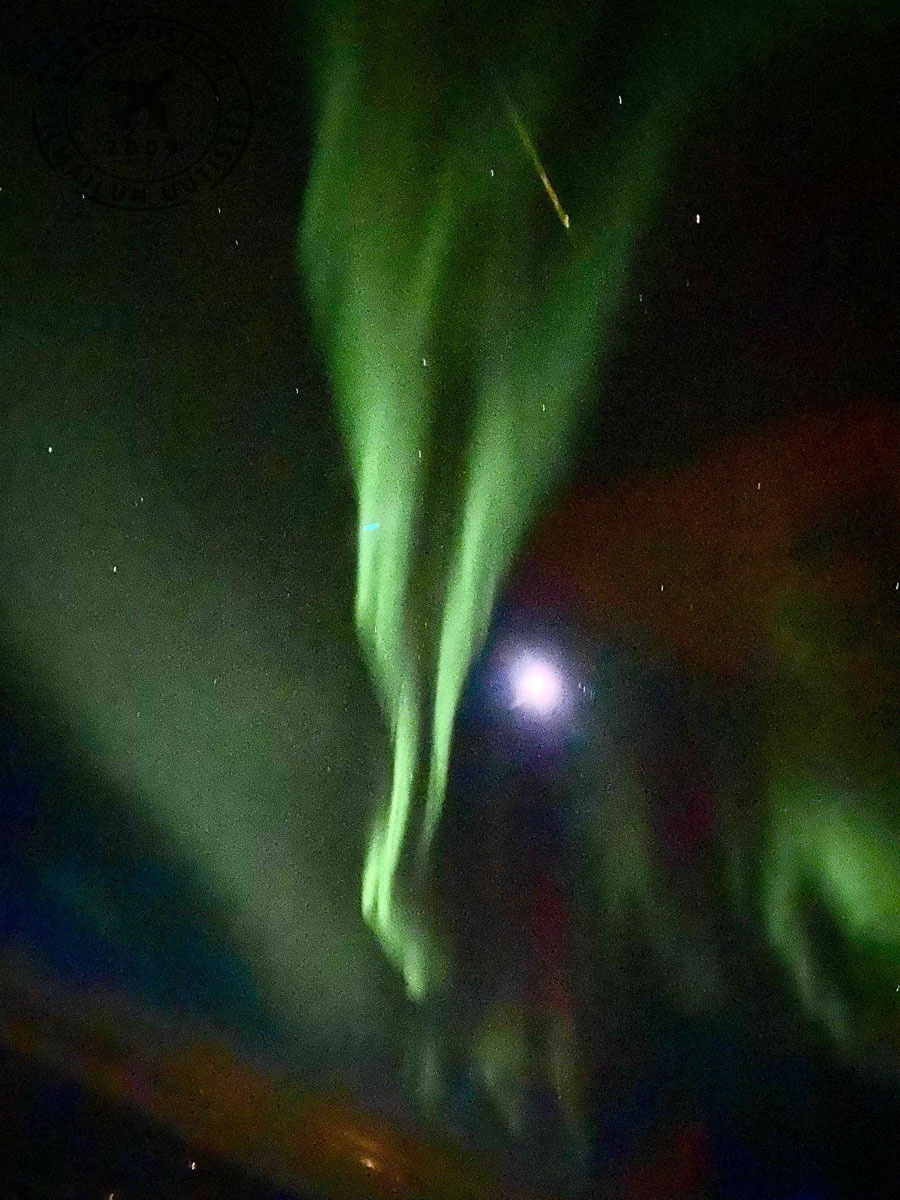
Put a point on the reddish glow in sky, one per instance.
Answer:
(696, 559)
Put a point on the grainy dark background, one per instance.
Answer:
(192, 533)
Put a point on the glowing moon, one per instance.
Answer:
(537, 686)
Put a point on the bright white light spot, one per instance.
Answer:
(492, 172)
(193, 1166)
(698, 218)
(424, 362)
(620, 99)
(758, 486)
(114, 570)
(49, 449)
(537, 686)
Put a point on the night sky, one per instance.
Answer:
(189, 737)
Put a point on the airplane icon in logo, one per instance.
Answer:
(143, 95)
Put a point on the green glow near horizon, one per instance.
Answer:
(390, 214)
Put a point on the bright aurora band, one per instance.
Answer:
(461, 287)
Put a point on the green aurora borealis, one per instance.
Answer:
(274, 460)
(442, 283)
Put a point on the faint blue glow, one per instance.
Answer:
(369, 528)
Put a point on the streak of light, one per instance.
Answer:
(530, 149)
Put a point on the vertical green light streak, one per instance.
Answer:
(378, 230)
(396, 221)
(379, 227)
